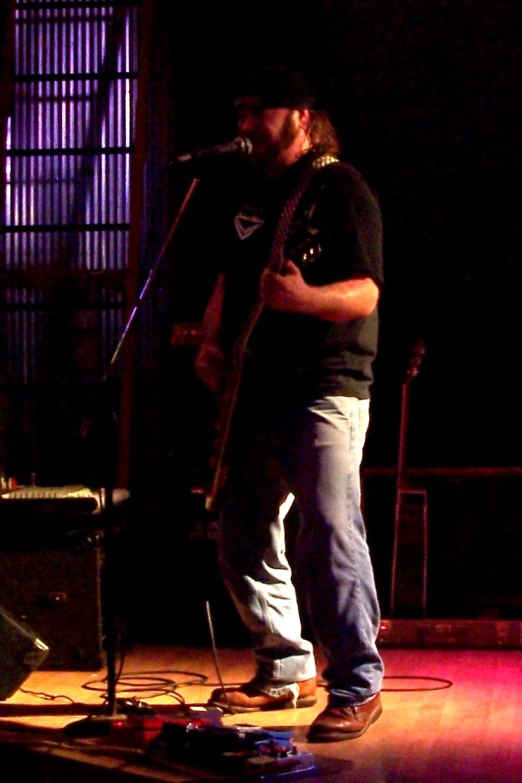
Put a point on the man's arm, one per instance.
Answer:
(344, 300)
(209, 358)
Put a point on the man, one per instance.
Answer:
(301, 416)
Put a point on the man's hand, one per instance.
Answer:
(209, 365)
(286, 291)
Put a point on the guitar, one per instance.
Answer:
(409, 558)
(239, 351)
(413, 370)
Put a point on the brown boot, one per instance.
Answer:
(340, 723)
(250, 698)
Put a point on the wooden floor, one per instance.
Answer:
(449, 716)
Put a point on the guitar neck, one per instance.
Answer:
(403, 434)
(413, 371)
(241, 342)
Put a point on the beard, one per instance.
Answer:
(268, 149)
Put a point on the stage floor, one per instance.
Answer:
(449, 716)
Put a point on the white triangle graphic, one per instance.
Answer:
(247, 224)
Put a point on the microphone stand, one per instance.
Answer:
(108, 417)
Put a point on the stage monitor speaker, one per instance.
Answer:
(21, 652)
(58, 593)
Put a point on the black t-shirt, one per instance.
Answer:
(336, 235)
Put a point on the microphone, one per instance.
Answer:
(239, 146)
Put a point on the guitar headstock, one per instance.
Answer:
(416, 359)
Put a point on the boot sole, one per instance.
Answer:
(232, 709)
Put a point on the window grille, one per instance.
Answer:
(66, 221)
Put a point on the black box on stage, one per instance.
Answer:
(452, 633)
(21, 652)
(57, 592)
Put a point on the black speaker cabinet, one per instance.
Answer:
(57, 593)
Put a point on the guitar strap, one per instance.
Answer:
(282, 232)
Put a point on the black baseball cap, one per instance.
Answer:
(276, 86)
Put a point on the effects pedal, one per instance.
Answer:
(141, 730)
(242, 749)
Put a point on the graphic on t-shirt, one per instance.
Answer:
(246, 224)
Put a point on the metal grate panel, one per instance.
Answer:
(66, 221)
(70, 135)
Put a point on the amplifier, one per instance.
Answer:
(451, 633)
(36, 517)
(57, 592)
(69, 498)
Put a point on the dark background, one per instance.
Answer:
(425, 96)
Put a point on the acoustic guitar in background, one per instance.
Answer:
(408, 592)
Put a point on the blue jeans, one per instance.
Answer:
(313, 450)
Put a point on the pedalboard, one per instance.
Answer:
(198, 738)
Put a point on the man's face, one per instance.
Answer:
(272, 131)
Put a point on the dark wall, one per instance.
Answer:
(425, 98)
